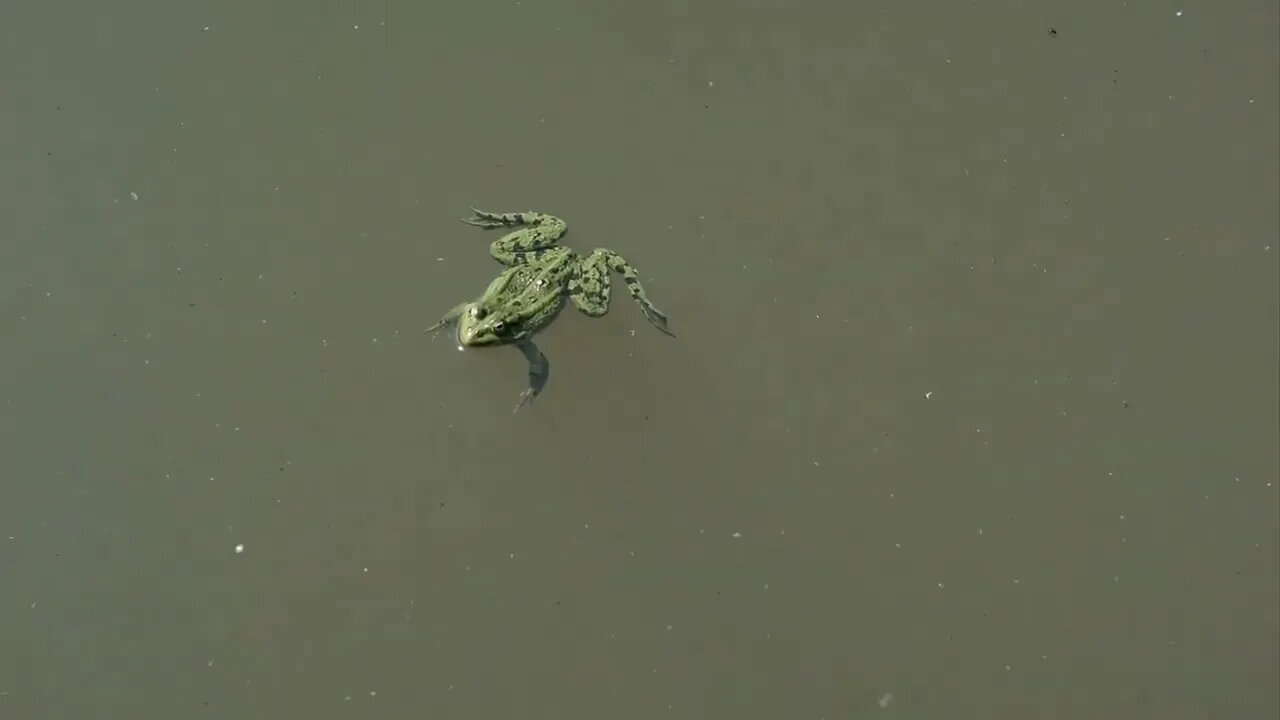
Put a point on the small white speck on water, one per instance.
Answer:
(737, 535)
(884, 700)
(239, 549)
(439, 259)
(928, 395)
(1178, 14)
(133, 195)
(375, 340)
(205, 28)
(940, 585)
(355, 27)
(979, 531)
(366, 569)
(668, 628)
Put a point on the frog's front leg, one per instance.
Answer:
(539, 371)
(448, 319)
(538, 232)
(589, 290)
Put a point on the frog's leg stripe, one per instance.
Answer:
(631, 278)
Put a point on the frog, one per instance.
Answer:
(540, 275)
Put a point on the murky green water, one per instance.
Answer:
(972, 411)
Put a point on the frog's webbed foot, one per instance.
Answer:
(539, 371)
(486, 220)
(655, 316)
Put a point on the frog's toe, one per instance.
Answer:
(482, 223)
(525, 398)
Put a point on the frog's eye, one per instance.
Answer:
(499, 326)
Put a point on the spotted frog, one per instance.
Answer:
(529, 294)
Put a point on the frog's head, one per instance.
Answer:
(479, 326)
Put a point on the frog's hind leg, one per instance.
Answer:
(589, 290)
(538, 231)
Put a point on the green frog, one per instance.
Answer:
(529, 294)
